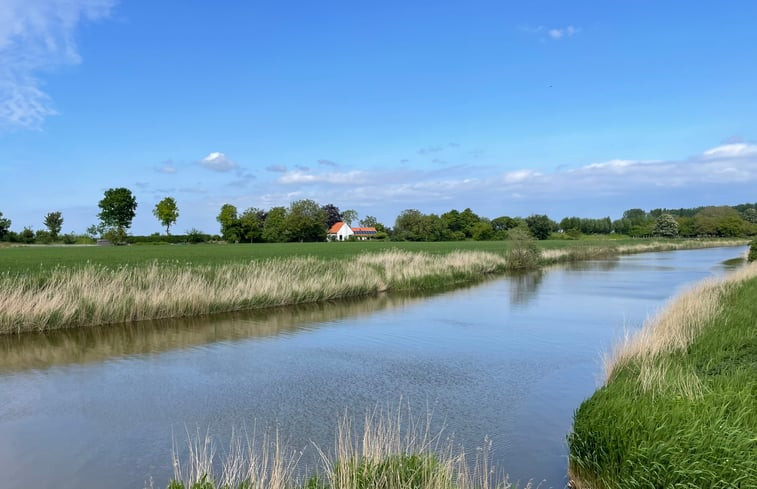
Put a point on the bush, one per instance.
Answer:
(116, 236)
(26, 236)
(43, 237)
(752, 251)
(523, 253)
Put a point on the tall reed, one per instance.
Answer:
(391, 450)
(95, 295)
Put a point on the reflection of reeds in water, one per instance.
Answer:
(97, 343)
(100, 295)
(389, 451)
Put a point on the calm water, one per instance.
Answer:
(510, 358)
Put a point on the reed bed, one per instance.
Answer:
(679, 404)
(391, 450)
(562, 255)
(94, 295)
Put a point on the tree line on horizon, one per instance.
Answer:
(307, 221)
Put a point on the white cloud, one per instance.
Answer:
(218, 162)
(37, 36)
(559, 33)
(519, 176)
(336, 178)
(732, 150)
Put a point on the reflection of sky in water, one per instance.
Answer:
(510, 358)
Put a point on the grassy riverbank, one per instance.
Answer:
(679, 407)
(389, 451)
(131, 286)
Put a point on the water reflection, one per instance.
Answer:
(523, 287)
(95, 344)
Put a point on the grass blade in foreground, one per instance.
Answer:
(391, 451)
(679, 408)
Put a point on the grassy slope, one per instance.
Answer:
(25, 259)
(626, 436)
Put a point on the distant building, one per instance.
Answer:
(342, 232)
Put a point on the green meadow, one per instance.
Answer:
(29, 259)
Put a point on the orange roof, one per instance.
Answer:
(364, 230)
(336, 227)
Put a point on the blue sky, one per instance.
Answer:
(510, 108)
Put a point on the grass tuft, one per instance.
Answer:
(391, 451)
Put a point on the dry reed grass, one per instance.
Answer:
(672, 330)
(371, 458)
(589, 252)
(95, 295)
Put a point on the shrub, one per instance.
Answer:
(523, 253)
(752, 251)
(43, 237)
(26, 236)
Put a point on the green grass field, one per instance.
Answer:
(25, 259)
(681, 417)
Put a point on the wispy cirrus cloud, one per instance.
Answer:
(38, 36)
(167, 167)
(334, 178)
(551, 33)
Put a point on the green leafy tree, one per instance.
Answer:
(27, 235)
(540, 226)
(482, 231)
(274, 226)
(5, 225)
(719, 221)
(167, 212)
(251, 224)
(750, 215)
(666, 226)
(54, 222)
(230, 226)
(117, 209)
(305, 221)
(410, 225)
(332, 213)
(349, 216)
(372, 222)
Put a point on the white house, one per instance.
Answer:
(342, 232)
(339, 232)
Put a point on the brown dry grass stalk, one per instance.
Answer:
(100, 295)
(354, 462)
(672, 330)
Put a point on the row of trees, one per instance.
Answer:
(306, 220)
(303, 220)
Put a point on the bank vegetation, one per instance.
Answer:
(679, 405)
(89, 295)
